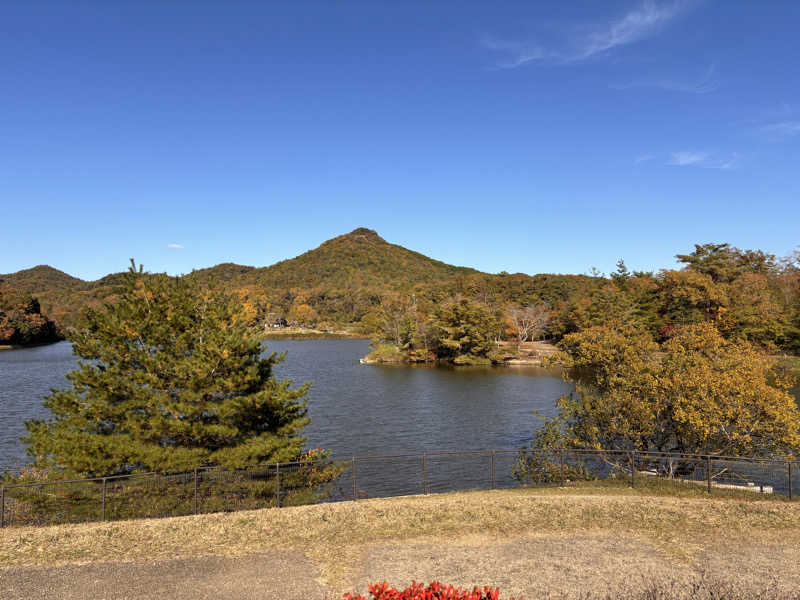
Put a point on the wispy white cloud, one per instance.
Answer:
(636, 25)
(707, 82)
(687, 158)
(644, 158)
(175, 246)
(516, 53)
(633, 27)
(705, 160)
(781, 130)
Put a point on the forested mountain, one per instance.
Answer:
(352, 278)
(221, 273)
(42, 277)
(361, 281)
(359, 259)
(61, 296)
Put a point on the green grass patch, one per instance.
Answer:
(660, 486)
(386, 353)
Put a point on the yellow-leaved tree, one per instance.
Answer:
(699, 393)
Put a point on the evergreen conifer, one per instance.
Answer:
(172, 379)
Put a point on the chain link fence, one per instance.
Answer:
(209, 490)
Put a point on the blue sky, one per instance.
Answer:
(533, 137)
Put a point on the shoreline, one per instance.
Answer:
(526, 354)
(514, 362)
(9, 347)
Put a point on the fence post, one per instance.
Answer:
(355, 480)
(789, 473)
(494, 460)
(278, 484)
(561, 463)
(195, 491)
(103, 516)
(424, 475)
(708, 473)
(2, 506)
(633, 469)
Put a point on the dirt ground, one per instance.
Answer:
(529, 567)
(554, 546)
(288, 576)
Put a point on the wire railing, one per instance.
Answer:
(210, 489)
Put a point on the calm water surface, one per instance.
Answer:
(355, 409)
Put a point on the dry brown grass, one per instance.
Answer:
(344, 539)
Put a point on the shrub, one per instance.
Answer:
(434, 591)
(703, 587)
(534, 467)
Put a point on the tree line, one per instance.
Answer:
(356, 281)
(746, 295)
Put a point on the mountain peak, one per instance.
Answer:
(361, 234)
(359, 259)
(41, 273)
(44, 269)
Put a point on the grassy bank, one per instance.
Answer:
(679, 530)
(4, 347)
(301, 333)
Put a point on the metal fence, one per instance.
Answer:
(207, 490)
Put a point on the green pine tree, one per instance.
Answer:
(466, 332)
(171, 379)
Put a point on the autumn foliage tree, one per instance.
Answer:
(22, 321)
(304, 315)
(701, 394)
(171, 378)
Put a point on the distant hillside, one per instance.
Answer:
(347, 278)
(62, 297)
(361, 283)
(342, 280)
(42, 278)
(221, 273)
(359, 259)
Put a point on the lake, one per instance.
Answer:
(355, 409)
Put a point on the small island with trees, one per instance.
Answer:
(22, 323)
